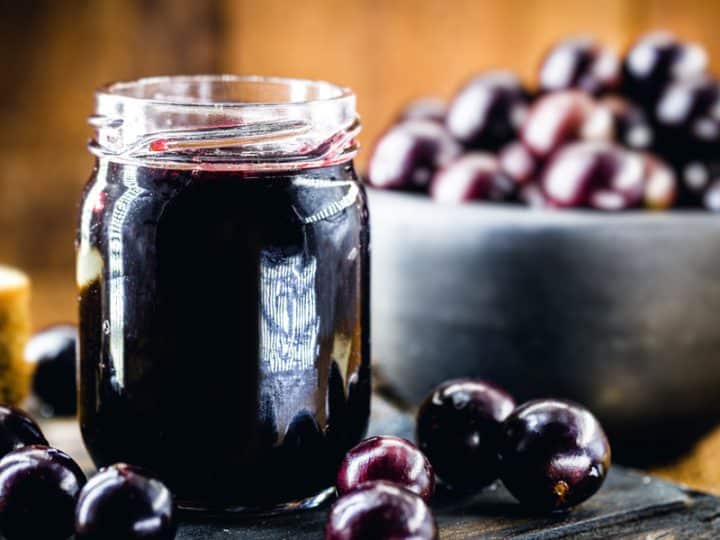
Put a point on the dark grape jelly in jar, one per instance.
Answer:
(222, 266)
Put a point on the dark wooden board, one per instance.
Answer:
(630, 505)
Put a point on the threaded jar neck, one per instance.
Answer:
(225, 122)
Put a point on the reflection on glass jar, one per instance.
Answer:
(223, 276)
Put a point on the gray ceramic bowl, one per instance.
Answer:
(619, 312)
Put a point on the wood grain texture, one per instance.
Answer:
(53, 55)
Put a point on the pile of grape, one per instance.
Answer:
(598, 132)
(550, 454)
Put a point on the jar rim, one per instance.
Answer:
(327, 91)
(225, 121)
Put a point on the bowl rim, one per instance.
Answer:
(421, 202)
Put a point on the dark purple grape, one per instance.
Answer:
(533, 196)
(607, 200)
(407, 155)
(518, 162)
(688, 118)
(426, 108)
(661, 187)
(627, 175)
(597, 174)
(122, 502)
(458, 426)
(684, 102)
(52, 351)
(617, 120)
(696, 177)
(711, 200)
(641, 180)
(575, 172)
(17, 430)
(706, 130)
(474, 176)
(380, 510)
(657, 59)
(488, 111)
(554, 120)
(387, 458)
(581, 63)
(38, 489)
(553, 454)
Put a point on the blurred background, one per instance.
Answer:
(53, 54)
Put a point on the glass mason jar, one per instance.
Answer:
(222, 266)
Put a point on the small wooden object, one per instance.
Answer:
(15, 327)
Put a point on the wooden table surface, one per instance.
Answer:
(631, 504)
